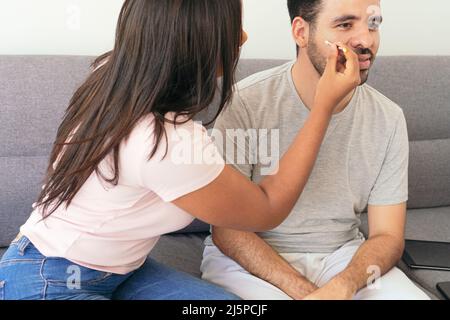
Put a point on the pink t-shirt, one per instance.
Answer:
(114, 228)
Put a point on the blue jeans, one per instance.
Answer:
(26, 274)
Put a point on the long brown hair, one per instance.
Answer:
(166, 58)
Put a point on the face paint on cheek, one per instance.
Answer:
(342, 51)
(375, 17)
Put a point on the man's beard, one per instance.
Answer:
(319, 62)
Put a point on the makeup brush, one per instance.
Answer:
(344, 50)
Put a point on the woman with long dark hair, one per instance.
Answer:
(115, 184)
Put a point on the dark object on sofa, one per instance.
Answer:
(444, 289)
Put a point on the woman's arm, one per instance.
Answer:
(232, 201)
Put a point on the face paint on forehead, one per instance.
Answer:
(375, 17)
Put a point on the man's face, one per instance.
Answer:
(351, 22)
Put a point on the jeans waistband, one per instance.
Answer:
(22, 243)
(17, 238)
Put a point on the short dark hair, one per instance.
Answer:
(307, 9)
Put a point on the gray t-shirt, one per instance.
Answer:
(363, 159)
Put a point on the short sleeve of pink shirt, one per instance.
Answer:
(186, 161)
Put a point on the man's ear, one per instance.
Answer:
(300, 32)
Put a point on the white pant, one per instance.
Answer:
(318, 268)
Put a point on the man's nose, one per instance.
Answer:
(362, 39)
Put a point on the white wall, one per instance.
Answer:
(410, 27)
(87, 27)
(78, 27)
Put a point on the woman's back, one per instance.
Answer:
(113, 228)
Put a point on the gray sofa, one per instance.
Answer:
(35, 90)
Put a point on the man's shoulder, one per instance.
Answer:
(262, 79)
(254, 96)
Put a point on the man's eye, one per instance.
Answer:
(345, 25)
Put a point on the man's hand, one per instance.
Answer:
(336, 289)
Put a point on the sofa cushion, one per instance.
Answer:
(429, 173)
(23, 176)
(183, 252)
(431, 224)
(34, 92)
